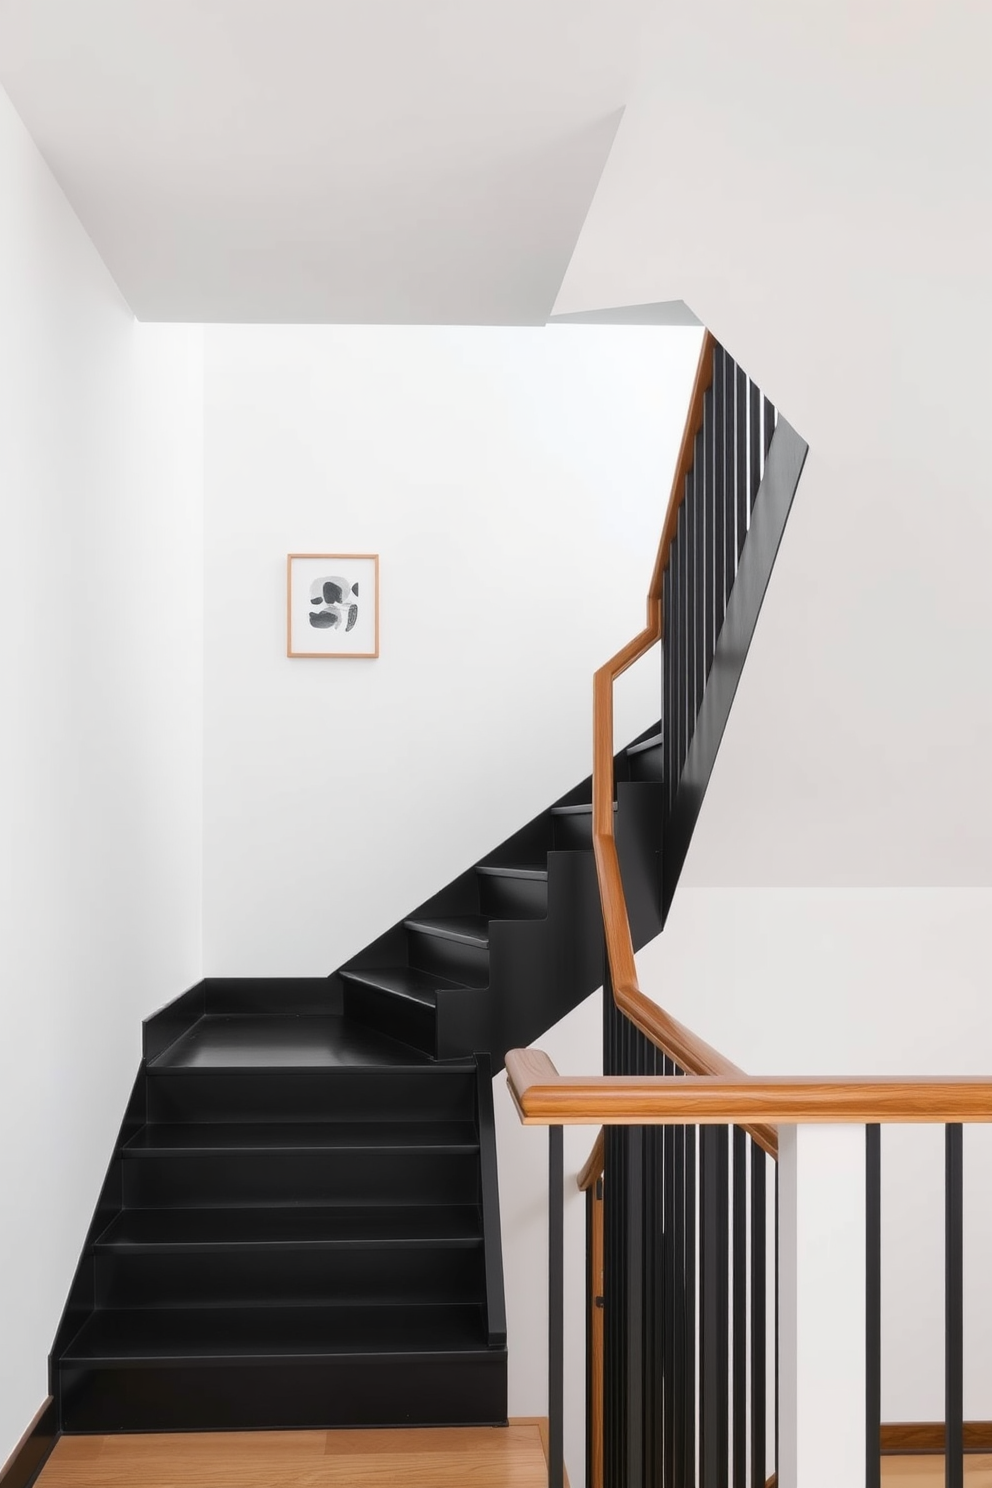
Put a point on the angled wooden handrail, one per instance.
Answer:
(689, 1052)
(594, 1164)
(545, 1098)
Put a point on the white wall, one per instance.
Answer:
(574, 1044)
(100, 756)
(513, 483)
(859, 981)
(832, 224)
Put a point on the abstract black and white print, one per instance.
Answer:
(334, 603)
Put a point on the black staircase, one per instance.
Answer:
(300, 1224)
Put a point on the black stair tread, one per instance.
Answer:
(502, 870)
(654, 742)
(233, 1041)
(471, 929)
(403, 981)
(191, 1138)
(291, 1227)
(583, 809)
(204, 1333)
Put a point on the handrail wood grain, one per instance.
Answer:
(545, 1098)
(594, 1163)
(689, 1052)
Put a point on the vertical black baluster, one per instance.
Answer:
(702, 501)
(556, 1305)
(954, 1305)
(678, 646)
(673, 1241)
(759, 1362)
(676, 1467)
(716, 501)
(740, 471)
(739, 1334)
(778, 1318)
(691, 1136)
(668, 651)
(611, 1190)
(753, 445)
(729, 484)
(873, 1306)
(634, 1316)
(690, 618)
(768, 427)
(713, 1305)
(709, 550)
(687, 636)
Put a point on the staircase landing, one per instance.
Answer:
(325, 1041)
(485, 1456)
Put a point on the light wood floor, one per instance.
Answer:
(465, 1457)
(928, 1472)
(480, 1457)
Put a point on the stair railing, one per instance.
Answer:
(737, 470)
(828, 1217)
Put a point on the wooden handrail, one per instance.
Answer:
(690, 1053)
(594, 1164)
(545, 1098)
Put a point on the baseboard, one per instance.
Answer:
(541, 1422)
(924, 1437)
(32, 1451)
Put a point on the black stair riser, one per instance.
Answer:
(647, 764)
(400, 1018)
(461, 1389)
(451, 959)
(292, 1277)
(274, 996)
(503, 898)
(252, 1095)
(245, 1179)
(574, 831)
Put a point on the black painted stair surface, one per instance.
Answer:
(299, 1229)
(511, 946)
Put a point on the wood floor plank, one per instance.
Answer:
(485, 1456)
(928, 1472)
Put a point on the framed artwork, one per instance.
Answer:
(332, 604)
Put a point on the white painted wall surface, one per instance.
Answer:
(821, 1295)
(573, 1044)
(832, 224)
(874, 982)
(513, 483)
(100, 753)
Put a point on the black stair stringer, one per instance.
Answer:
(471, 989)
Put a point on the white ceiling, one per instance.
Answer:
(394, 161)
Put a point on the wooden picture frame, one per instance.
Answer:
(332, 605)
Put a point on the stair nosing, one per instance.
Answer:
(459, 937)
(583, 809)
(500, 870)
(655, 742)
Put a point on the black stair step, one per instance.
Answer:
(365, 1227)
(654, 742)
(583, 809)
(470, 930)
(207, 1138)
(197, 1334)
(252, 1041)
(403, 981)
(502, 870)
(417, 1092)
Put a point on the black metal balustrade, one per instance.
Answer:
(686, 1364)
